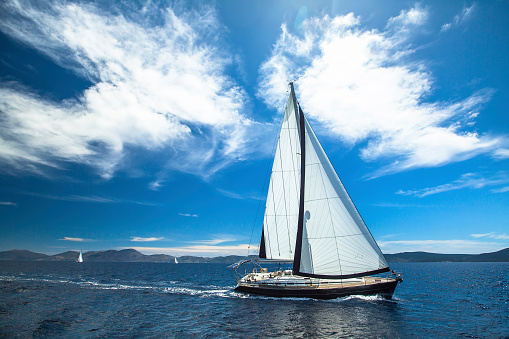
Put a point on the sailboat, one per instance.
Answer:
(311, 222)
(176, 261)
(80, 258)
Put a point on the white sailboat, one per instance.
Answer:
(176, 261)
(311, 221)
(80, 257)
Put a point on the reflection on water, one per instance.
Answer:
(347, 317)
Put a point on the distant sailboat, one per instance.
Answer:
(176, 261)
(311, 222)
(80, 258)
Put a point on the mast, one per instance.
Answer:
(300, 224)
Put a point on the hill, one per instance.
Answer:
(21, 255)
(499, 256)
(127, 255)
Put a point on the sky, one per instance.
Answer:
(152, 125)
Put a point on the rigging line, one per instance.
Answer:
(274, 145)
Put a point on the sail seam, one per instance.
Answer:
(337, 236)
(319, 199)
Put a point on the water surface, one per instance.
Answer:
(153, 300)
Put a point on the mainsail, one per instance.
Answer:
(282, 205)
(309, 216)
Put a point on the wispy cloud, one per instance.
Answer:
(159, 84)
(441, 246)
(398, 205)
(8, 203)
(209, 247)
(501, 190)
(491, 235)
(337, 65)
(154, 185)
(460, 18)
(467, 180)
(76, 239)
(140, 239)
(91, 199)
(235, 195)
(218, 240)
(502, 153)
(388, 236)
(189, 215)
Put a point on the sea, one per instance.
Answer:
(158, 300)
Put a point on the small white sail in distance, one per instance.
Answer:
(176, 261)
(80, 257)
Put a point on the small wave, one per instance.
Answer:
(358, 297)
(11, 278)
(224, 293)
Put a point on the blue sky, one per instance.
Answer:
(151, 125)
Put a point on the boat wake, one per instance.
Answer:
(171, 287)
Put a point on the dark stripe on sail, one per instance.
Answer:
(300, 225)
(346, 276)
(262, 254)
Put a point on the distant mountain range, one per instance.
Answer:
(499, 256)
(130, 255)
(127, 255)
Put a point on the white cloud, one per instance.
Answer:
(208, 248)
(416, 16)
(482, 235)
(467, 180)
(441, 246)
(501, 190)
(235, 195)
(8, 203)
(360, 85)
(155, 87)
(464, 15)
(75, 239)
(81, 198)
(446, 27)
(189, 215)
(216, 241)
(460, 18)
(154, 185)
(502, 153)
(491, 235)
(140, 239)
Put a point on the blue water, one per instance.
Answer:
(148, 300)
